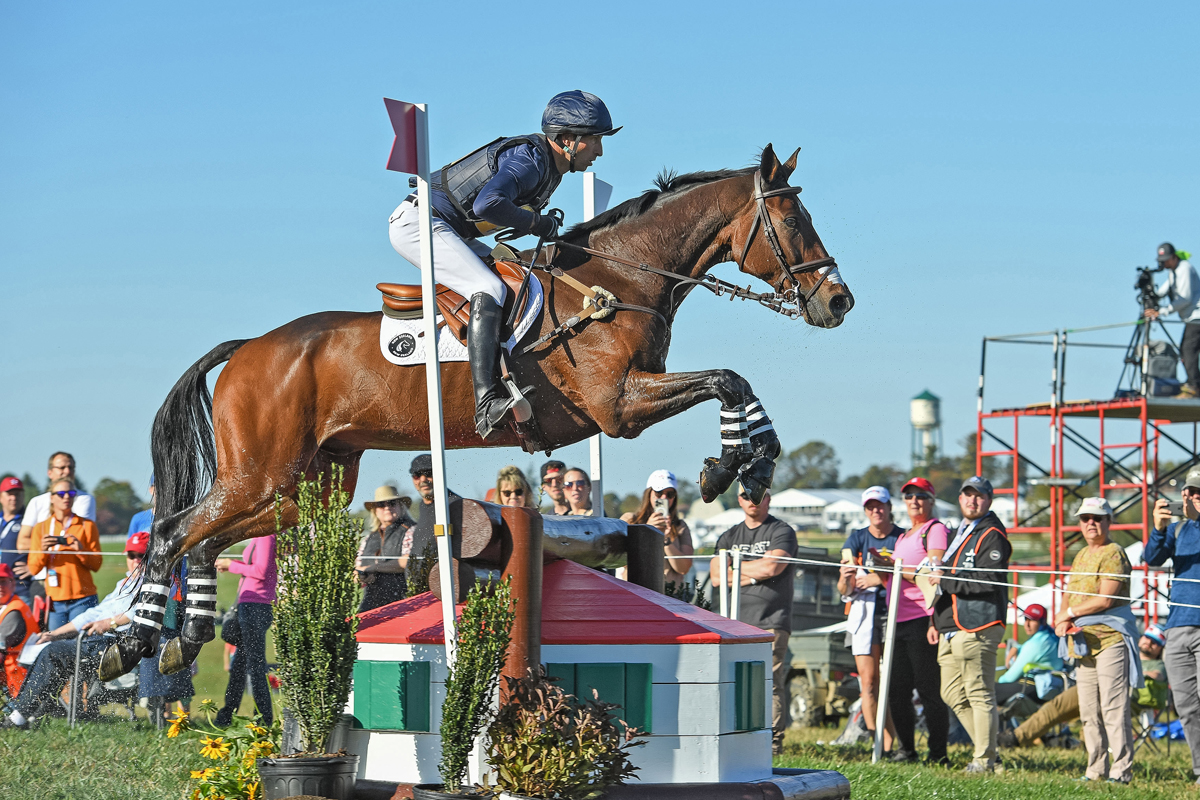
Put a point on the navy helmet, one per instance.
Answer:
(580, 113)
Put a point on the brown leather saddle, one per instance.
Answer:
(403, 301)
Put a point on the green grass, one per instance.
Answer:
(212, 678)
(1030, 774)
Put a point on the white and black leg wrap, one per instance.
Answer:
(761, 431)
(151, 606)
(202, 596)
(734, 435)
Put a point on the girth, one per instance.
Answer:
(403, 301)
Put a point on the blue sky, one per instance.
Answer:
(176, 176)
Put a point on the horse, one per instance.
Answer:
(317, 392)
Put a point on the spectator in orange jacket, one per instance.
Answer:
(70, 552)
(16, 625)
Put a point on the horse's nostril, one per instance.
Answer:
(840, 304)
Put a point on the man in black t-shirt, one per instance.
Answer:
(766, 590)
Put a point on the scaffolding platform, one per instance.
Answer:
(1163, 409)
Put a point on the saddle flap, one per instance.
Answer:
(455, 309)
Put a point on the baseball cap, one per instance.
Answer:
(662, 479)
(1192, 479)
(138, 542)
(11, 484)
(919, 484)
(1035, 611)
(1094, 505)
(1166, 251)
(1155, 634)
(552, 468)
(879, 493)
(978, 483)
(6, 571)
(422, 463)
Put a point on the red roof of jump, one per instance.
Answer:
(579, 606)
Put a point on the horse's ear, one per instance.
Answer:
(789, 166)
(769, 166)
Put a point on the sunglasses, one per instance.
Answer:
(1092, 517)
(425, 473)
(512, 492)
(745, 496)
(917, 496)
(136, 556)
(669, 494)
(575, 485)
(70, 493)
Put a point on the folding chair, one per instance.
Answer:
(1147, 706)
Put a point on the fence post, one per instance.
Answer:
(735, 603)
(885, 673)
(723, 568)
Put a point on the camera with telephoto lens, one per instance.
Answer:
(1147, 295)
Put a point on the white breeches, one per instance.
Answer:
(457, 262)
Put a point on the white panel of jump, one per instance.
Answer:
(435, 654)
(704, 759)
(698, 709)
(406, 756)
(672, 663)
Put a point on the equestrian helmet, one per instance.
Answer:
(577, 112)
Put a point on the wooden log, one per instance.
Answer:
(462, 584)
(521, 545)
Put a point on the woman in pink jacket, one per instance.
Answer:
(256, 593)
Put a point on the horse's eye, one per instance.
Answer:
(791, 222)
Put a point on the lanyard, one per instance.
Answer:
(66, 523)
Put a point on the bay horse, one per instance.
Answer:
(317, 392)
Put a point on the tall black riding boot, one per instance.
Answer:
(492, 402)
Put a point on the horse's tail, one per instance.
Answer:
(181, 443)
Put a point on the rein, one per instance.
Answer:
(792, 303)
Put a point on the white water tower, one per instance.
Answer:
(925, 412)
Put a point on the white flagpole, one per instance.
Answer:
(885, 674)
(596, 194)
(433, 387)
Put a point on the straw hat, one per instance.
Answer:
(387, 494)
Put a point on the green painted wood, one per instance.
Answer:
(639, 694)
(565, 674)
(749, 695)
(757, 694)
(607, 679)
(416, 682)
(392, 695)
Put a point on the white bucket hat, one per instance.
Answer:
(662, 479)
(1095, 505)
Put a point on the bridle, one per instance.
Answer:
(762, 218)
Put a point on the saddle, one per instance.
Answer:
(403, 301)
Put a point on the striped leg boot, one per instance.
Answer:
(199, 622)
(719, 474)
(142, 640)
(756, 477)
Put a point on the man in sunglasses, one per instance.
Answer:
(552, 486)
(61, 465)
(421, 471)
(68, 548)
(1180, 542)
(766, 590)
(55, 664)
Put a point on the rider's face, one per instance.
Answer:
(590, 148)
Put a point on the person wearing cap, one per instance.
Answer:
(662, 489)
(504, 184)
(1038, 651)
(12, 508)
(382, 558)
(16, 626)
(1101, 634)
(766, 590)
(969, 618)
(1181, 290)
(577, 488)
(552, 487)
(55, 664)
(1179, 542)
(914, 663)
(859, 583)
(422, 537)
(68, 548)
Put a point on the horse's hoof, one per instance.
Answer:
(177, 654)
(715, 478)
(120, 658)
(756, 478)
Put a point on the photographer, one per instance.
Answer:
(1181, 290)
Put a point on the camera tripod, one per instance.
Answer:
(1135, 378)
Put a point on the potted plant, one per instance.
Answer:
(315, 625)
(547, 744)
(483, 635)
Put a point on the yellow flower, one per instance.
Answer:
(214, 748)
(257, 730)
(252, 791)
(202, 774)
(178, 725)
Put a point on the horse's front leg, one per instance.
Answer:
(749, 444)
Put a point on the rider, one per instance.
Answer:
(504, 184)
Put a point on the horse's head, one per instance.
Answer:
(774, 240)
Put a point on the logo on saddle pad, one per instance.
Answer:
(403, 345)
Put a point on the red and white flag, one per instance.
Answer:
(409, 153)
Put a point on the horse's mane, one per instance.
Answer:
(666, 184)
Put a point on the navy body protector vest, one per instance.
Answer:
(462, 180)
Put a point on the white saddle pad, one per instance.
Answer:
(402, 341)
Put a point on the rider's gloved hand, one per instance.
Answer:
(545, 226)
